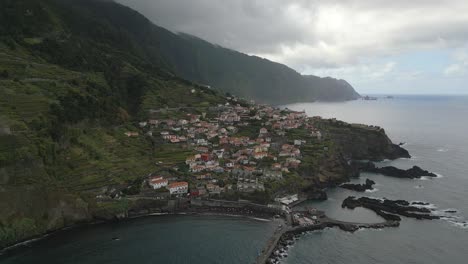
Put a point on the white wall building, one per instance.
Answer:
(158, 182)
(178, 187)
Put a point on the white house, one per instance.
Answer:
(286, 200)
(178, 187)
(158, 182)
(263, 130)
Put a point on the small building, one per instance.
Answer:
(178, 187)
(153, 122)
(289, 199)
(131, 134)
(205, 157)
(260, 155)
(158, 182)
(213, 188)
(276, 166)
(273, 174)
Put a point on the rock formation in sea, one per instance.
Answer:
(413, 173)
(389, 209)
(359, 187)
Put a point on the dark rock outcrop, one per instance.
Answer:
(413, 173)
(361, 142)
(313, 193)
(359, 187)
(389, 209)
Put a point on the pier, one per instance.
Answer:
(321, 221)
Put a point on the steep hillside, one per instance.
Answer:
(75, 76)
(187, 56)
(62, 138)
(66, 100)
(247, 76)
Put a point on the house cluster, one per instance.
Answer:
(175, 187)
(220, 148)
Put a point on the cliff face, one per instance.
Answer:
(344, 142)
(122, 29)
(33, 210)
(361, 142)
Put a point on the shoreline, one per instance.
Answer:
(35, 239)
(276, 248)
(279, 236)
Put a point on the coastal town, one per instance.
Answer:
(242, 158)
(237, 147)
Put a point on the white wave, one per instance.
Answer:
(428, 178)
(451, 217)
(463, 225)
(452, 210)
(442, 150)
(368, 229)
(372, 190)
(377, 198)
(157, 214)
(444, 213)
(260, 219)
(419, 187)
(24, 243)
(427, 206)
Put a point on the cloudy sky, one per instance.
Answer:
(379, 46)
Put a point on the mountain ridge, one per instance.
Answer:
(74, 79)
(195, 59)
(253, 74)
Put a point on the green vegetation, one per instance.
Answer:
(75, 75)
(79, 33)
(66, 101)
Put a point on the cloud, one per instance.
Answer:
(366, 72)
(305, 33)
(460, 67)
(455, 69)
(357, 40)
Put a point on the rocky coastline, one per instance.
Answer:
(413, 173)
(251, 213)
(363, 142)
(359, 187)
(288, 238)
(390, 209)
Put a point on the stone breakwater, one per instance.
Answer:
(390, 210)
(283, 237)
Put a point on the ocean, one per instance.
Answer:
(435, 132)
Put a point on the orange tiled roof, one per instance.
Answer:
(178, 184)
